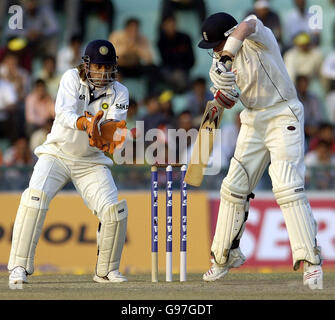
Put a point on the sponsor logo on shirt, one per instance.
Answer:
(121, 106)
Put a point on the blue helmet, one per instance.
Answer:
(101, 52)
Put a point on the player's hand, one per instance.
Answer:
(114, 132)
(225, 98)
(220, 77)
(89, 123)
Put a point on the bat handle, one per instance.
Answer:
(227, 62)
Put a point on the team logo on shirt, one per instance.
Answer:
(103, 50)
(105, 106)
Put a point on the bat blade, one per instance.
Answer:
(204, 143)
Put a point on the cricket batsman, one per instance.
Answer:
(272, 132)
(90, 107)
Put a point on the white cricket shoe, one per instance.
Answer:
(217, 271)
(18, 276)
(313, 276)
(113, 276)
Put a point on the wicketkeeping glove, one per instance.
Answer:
(89, 123)
(114, 132)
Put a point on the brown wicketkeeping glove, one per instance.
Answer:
(115, 137)
(89, 123)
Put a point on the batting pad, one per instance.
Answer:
(229, 223)
(111, 237)
(231, 216)
(288, 188)
(27, 229)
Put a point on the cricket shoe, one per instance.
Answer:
(217, 271)
(113, 276)
(18, 276)
(313, 276)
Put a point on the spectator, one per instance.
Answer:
(70, 56)
(40, 107)
(166, 107)
(169, 8)
(19, 47)
(39, 136)
(326, 133)
(18, 154)
(13, 73)
(104, 9)
(70, 10)
(269, 18)
(135, 53)
(320, 167)
(132, 113)
(185, 122)
(197, 98)
(303, 58)
(8, 100)
(177, 55)
(154, 118)
(40, 28)
(50, 76)
(330, 103)
(312, 107)
(297, 21)
(328, 70)
(17, 158)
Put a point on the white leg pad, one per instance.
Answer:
(301, 226)
(231, 216)
(111, 238)
(27, 229)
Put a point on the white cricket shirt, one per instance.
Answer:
(261, 74)
(73, 99)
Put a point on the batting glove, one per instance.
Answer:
(226, 99)
(220, 77)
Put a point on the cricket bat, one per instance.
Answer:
(203, 146)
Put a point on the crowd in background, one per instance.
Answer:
(32, 61)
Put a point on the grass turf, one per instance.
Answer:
(235, 286)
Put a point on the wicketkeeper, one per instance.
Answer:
(272, 132)
(88, 97)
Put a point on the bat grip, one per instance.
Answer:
(227, 62)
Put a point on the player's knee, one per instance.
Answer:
(288, 185)
(35, 198)
(115, 212)
(235, 186)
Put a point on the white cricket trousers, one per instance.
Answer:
(273, 134)
(94, 182)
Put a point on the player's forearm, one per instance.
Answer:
(67, 119)
(235, 40)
